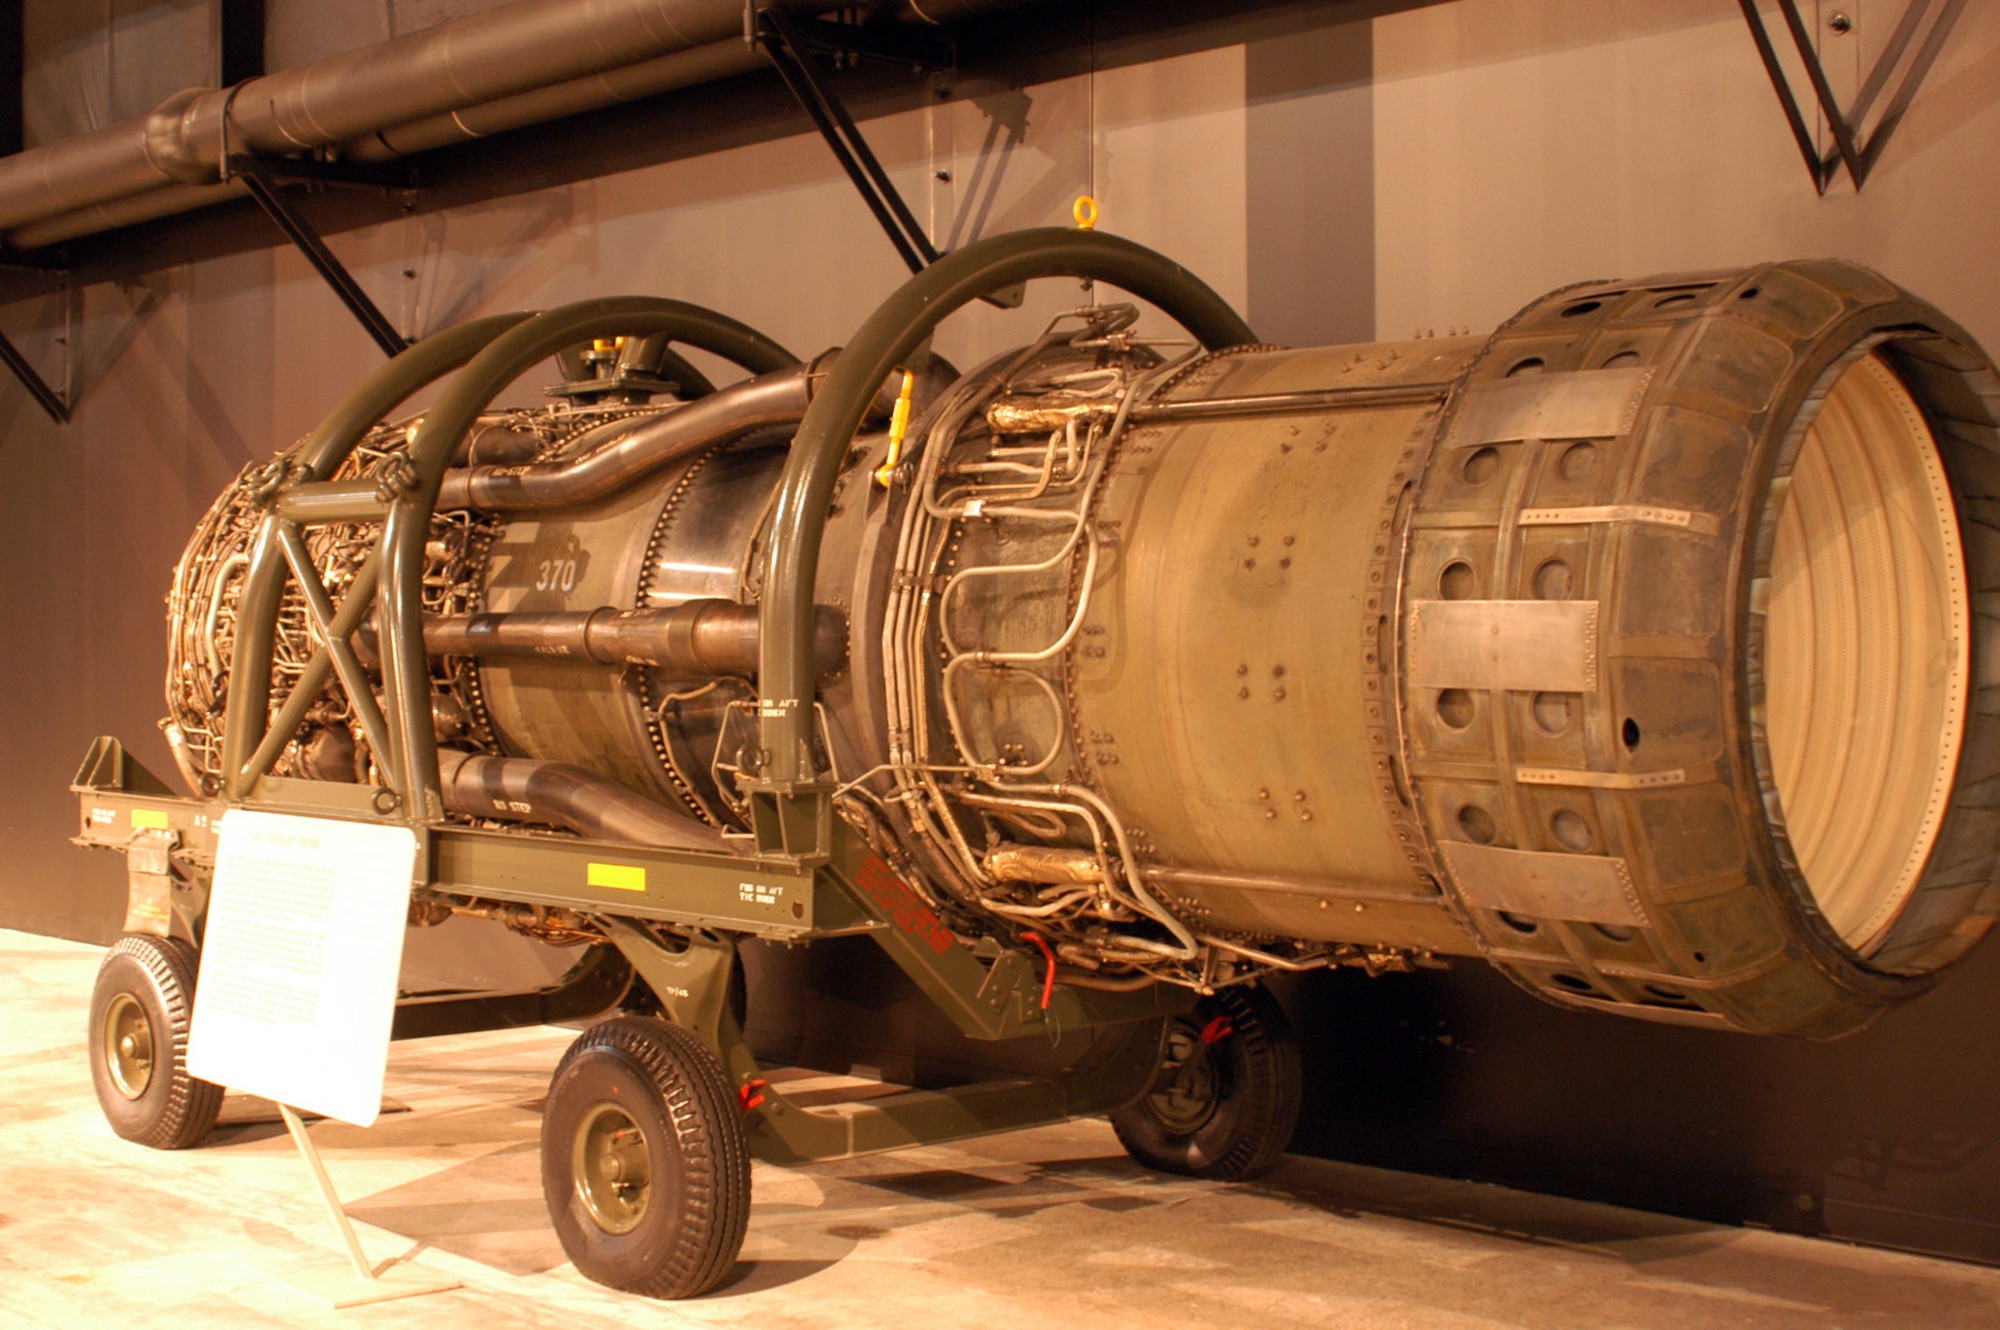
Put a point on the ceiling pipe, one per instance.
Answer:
(524, 63)
(648, 78)
(497, 54)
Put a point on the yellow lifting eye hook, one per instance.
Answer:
(899, 425)
(1085, 212)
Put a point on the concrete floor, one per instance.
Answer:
(1053, 1227)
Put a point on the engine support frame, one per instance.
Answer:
(710, 900)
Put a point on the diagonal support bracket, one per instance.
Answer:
(54, 401)
(261, 177)
(1850, 149)
(789, 43)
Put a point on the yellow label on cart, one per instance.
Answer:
(620, 877)
(148, 817)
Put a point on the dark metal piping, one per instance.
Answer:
(639, 448)
(697, 638)
(648, 78)
(520, 789)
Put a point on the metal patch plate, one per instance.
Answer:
(1568, 404)
(1584, 887)
(1529, 645)
(1600, 780)
(1650, 514)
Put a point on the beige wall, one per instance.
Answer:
(1524, 144)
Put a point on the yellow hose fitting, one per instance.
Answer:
(899, 426)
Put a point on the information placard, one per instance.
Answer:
(299, 963)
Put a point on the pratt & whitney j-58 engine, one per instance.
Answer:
(1642, 648)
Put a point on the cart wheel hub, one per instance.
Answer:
(128, 1046)
(1189, 1092)
(614, 1169)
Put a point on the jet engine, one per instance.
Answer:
(1643, 648)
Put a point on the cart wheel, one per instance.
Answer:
(645, 1164)
(139, 1015)
(1226, 1099)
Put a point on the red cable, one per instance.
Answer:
(1048, 978)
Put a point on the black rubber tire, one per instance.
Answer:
(673, 1089)
(171, 1110)
(1250, 1082)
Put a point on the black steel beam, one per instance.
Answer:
(13, 56)
(260, 179)
(790, 53)
(1850, 150)
(48, 398)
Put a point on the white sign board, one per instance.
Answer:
(299, 963)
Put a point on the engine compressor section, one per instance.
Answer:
(1642, 649)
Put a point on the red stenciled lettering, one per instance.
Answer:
(904, 907)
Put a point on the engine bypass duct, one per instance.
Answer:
(1636, 648)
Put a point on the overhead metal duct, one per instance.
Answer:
(522, 64)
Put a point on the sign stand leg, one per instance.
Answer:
(362, 1269)
(331, 1285)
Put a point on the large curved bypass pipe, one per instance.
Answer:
(322, 453)
(635, 449)
(894, 331)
